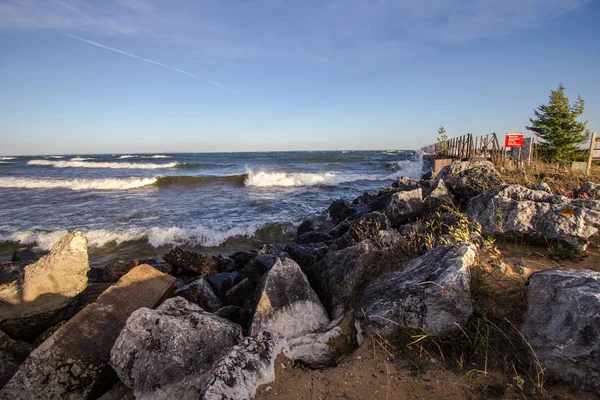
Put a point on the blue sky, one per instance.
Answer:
(86, 76)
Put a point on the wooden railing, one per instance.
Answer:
(467, 147)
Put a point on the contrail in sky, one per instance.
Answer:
(148, 61)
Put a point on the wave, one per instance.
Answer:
(113, 165)
(80, 159)
(154, 236)
(7, 158)
(76, 184)
(127, 156)
(160, 156)
(55, 156)
(138, 156)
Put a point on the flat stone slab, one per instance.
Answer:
(72, 363)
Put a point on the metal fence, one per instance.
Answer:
(468, 147)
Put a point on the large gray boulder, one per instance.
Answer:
(42, 295)
(72, 363)
(399, 207)
(515, 212)
(467, 179)
(248, 365)
(562, 324)
(337, 278)
(168, 353)
(286, 302)
(199, 292)
(367, 226)
(438, 196)
(431, 294)
(193, 262)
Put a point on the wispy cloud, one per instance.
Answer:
(339, 31)
(148, 61)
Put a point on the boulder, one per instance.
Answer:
(224, 264)
(314, 237)
(239, 315)
(223, 282)
(305, 227)
(431, 294)
(437, 197)
(200, 293)
(168, 353)
(562, 325)
(404, 183)
(365, 227)
(467, 179)
(114, 270)
(190, 261)
(399, 207)
(73, 362)
(46, 290)
(25, 255)
(241, 258)
(287, 304)
(242, 294)
(590, 190)
(340, 274)
(364, 199)
(339, 210)
(12, 354)
(306, 254)
(543, 186)
(515, 212)
(323, 348)
(248, 365)
(340, 229)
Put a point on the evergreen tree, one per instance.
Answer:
(442, 138)
(558, 128)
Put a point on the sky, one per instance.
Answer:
(119, 76)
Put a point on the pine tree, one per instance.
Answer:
(442, 138)
(558, 128)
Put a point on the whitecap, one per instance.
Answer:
(113, 165)
(76, 184)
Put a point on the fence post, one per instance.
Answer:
(591, 153)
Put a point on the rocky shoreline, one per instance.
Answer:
(194, 326)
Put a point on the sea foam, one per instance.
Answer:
(113, 165)
(7, 158)
(76, 184)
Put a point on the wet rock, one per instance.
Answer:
(190, 261)
(322, 349)
(518, 213)
(365, 227)
(431, 294)
(287, 304)
(48, 287)
(399, 207)
(562, 324)
(364, 199)
(590, 190)
(314, 237)
(8, 367)
(73, 362)
(248, 365)
(404, 184)
(337, 277)
(200, 293)
(168, 353)
(428, 176)
(258, 266)
(114, 270)
(12, 354)
(305, 227)
(339, 210)
(25, 255)
(467, 179)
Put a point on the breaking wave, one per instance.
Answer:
(7, 158)
(76, 184)
(155, 236)
(80, 159)
(113, 165)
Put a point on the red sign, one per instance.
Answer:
(513, 140)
